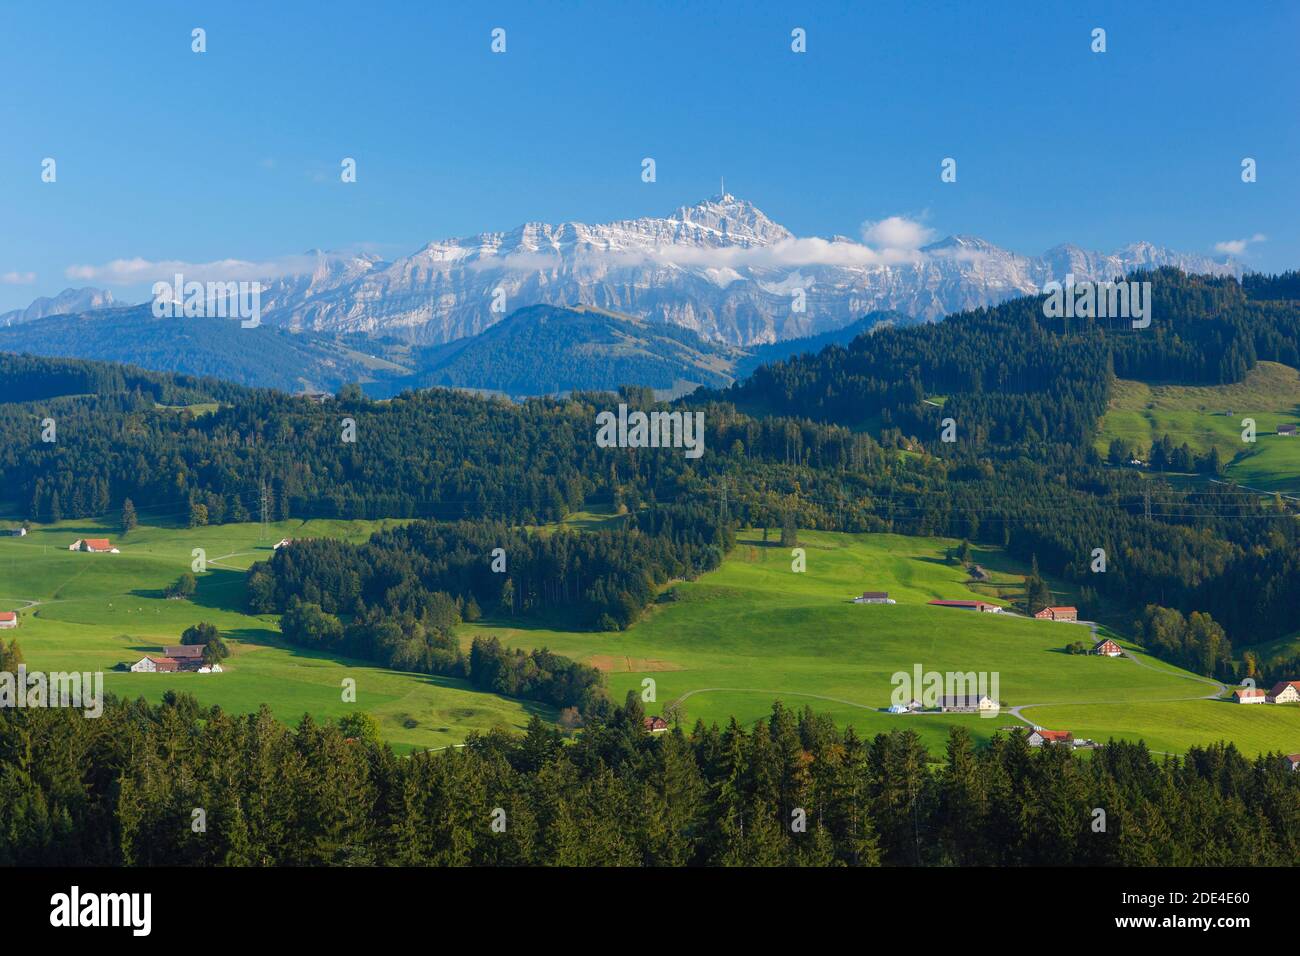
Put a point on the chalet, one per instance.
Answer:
(1293, 761)
(1058, 614)
(983, 606)
(1249, 695)
(188, 657)
(1286, 431)
(873, 597)
(1107, 648)
(154, 665)
(1038, 736)
(93, 546)
(282, 543)
(967, 704)
(656, 725)
(8, 619)
(1285, 692)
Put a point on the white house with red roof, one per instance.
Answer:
(94, 546)
(1294, 761)
(155, 665)
(1038, 736)
(1249, 695)
(8, 619)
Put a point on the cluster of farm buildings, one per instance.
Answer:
(177, 657)
(1283, 692)
(1066, 613)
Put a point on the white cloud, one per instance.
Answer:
(896, 233)
(137, 271)
(1235, 247)
(18, 278)
(892, 241)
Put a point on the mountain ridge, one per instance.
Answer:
(720, 267)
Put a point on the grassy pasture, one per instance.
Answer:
(98, 610)
(1211, 416)
(727, 644)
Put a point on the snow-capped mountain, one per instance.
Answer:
(66, 302)
(721, 268)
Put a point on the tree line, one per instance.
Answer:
(175, 784)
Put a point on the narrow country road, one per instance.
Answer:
(1219, 688)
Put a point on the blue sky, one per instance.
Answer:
(164, 154)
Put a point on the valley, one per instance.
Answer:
(726, 645)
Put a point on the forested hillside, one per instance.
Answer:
(1025, 394)
(1013, 378)
(791, 790)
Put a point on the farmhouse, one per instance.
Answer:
(967, 704)
(873, 597)
(1286, 431)
(656, 725)
(188, 657)
(93, 546)
(1107, 648)
(1285, 692)
(1249, 695)
(969, 606)
(1293, 760)
(8, 619)
(154, 665)
(1038, 736)
(1058, 614)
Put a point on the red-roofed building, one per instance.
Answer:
(656, 725)
(188, 657)
(969, 606)
(1038, 737)
(155, 665)
(1294, 761)
(1107, 648)
(8, 618)
(1249, 695)
(93, 546)
(1058, 614)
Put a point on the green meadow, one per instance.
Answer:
(755, 630)
(96, 611)
(1210, 417)
(725, 645)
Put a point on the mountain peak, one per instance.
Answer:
(736, 221)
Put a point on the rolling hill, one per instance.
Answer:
(1206, 417)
